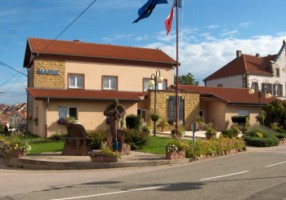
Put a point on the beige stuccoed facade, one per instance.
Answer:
(54, 74)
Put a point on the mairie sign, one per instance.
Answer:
(48, 72)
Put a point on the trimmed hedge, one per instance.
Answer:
(261, 142)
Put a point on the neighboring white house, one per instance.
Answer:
(267, 74)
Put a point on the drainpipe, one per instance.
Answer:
(46, 120)
(27, 105)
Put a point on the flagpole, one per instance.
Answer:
(177, 67)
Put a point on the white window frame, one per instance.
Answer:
(110, 85)
(63, 111)
(161, 86)
(75, 81)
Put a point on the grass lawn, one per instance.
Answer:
(156, 145)
(46, 147)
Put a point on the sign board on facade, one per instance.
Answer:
(48, 72)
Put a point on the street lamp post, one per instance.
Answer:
(153, 82)
(259, 94)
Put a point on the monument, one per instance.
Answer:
(114, 112)
(76, 142)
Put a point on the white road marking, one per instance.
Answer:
(112, 193)
(280, 163)
(222, 176)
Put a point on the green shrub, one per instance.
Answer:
(266, 132)
(155, 117)
(261, 142)
(163, 124)
(227, 133)
(181, 132)
(210, 132)
(146, 129)
(135, 138)
(280, 130)
(280, 135)
(96, 139)
(132, 121)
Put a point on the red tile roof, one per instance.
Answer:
(92, 50)
(244, 64)
(227, 95)
(85, 94)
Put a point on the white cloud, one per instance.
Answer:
(229, 33)
(244, 24)
(205, 57)
(213, 26)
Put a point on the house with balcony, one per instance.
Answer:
(79, 79)
(266, 74)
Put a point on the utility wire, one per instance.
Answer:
(6, 65)
(70, 25)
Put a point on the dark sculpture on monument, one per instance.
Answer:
(114, 112)
(76, 142)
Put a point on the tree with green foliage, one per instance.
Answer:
(275, 113)
(187, 79)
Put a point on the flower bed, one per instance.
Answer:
(215, 147)
(104, 155)
(14, 146)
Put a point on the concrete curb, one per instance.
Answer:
(80, 163)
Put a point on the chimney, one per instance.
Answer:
(76, 40)
(257, 55)
(238, 53)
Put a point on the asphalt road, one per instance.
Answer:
(255, 174)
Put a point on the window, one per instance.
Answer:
(255, 86)
(172, 109)
(243, 113)
(277, 90)
(267, 88)
(161, 86)
(67, 112)
(75, 81)
(109, 82)
(142, 113)
(277, 72)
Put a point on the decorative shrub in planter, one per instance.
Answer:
(175, 149)
(155, 117)
(104, 155)
(15, 147)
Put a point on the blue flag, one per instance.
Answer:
(146, 10)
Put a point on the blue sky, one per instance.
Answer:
(210, 31)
